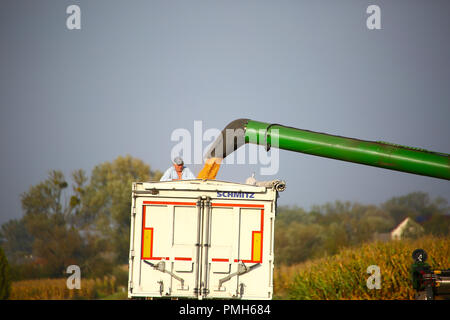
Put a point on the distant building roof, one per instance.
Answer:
(406, 227)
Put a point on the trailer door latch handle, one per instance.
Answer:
(242, 269)
(161, 266)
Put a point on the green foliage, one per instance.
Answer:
(17, 242)
(87, 225)
(416, 205)
(120, 273)
(55, 243)
(106, 201)
(298, 242)
(438, 225)
(5, 278)
(344, 276)
(324, 230)
(86, 222)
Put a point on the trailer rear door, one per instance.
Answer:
(200, 246)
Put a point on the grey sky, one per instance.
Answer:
(137, 70)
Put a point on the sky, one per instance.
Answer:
(137, 71)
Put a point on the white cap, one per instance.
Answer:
(178, 161)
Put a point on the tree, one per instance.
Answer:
(298, 242)
(416, 205)
(55, 243)
(87, 225)
(5, 280)
(336, 238)
(438, 225)
(17, 242)
(44, 199)
(104, 204)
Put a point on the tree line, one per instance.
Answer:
(324, 230)
(87, 222)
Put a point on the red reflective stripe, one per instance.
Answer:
(238, 205)
(171, 202)
(262, 236)
(151, 257)
(245, 261)
(214, 205)
(183, 259)
(142, 234)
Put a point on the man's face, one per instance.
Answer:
(178, 167)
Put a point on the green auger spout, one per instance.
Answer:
(372, 153)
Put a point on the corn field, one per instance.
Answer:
(344, 276)
(56, 289)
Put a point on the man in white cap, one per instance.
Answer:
(178, 171)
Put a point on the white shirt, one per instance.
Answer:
(171, 174)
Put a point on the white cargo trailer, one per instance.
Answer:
(201, 239)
